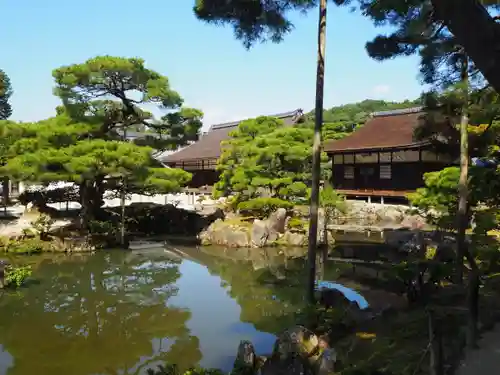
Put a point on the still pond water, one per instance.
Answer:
(122, 312)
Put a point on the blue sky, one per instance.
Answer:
(210, 69)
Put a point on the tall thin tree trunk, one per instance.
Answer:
(5, 193)
(316, 157)
(463, 189)
(122, 202)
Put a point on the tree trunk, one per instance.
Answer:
(463, 188)
(5, 192)
(316, 151)
(476, 31)
(86, 210)
(122, 206)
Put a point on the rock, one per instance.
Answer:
(293, 353)
(260, 233)
(226, 234)
(296, 341)
(3, 264)
(246, 360)
(294, 238)
(391, 214)
(277, 221)
(237, 238)
(413, 222)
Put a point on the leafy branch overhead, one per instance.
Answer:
(428, 27)
(113, 92)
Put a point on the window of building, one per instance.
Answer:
(385, 157)
(349, 173)
(338, 159)
(385, 172)
(348, 158)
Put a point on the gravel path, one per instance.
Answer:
(486, 359)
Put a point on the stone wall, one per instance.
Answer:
(291, 229)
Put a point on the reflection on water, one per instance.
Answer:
(123, 312)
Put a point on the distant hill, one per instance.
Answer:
(341, 120)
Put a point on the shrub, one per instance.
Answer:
(297, 223)
(65, 194)
(16, 276)
(262, 207)
(25, 246)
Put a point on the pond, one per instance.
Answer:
(119, 312)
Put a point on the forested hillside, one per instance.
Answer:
(344, 119)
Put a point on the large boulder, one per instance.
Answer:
(225, 233)
(294, 238)
(260, 233)
(277, 221)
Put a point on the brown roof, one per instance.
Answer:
(383, 130)
(208, 146)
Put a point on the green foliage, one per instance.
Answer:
(85, 142)
(417, 29)
(26, 246)
(262, 207)
(16, 276)
(331, 202)
(297, 223)
(130, 85)
(43, 224)
(252, 21)
(64, 194)
(5, 94)
(438, 200)
(442, 119)
(342, 120)
(265, 155)
(106, 229)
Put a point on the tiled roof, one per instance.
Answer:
(208, 146)
(386, 129)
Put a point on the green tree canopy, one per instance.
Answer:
(264, 153)
(85, 142)
(5, 94)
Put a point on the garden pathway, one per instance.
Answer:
(486, 359)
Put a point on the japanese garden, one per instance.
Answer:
(357, 239)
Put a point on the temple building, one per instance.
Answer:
(382, 158)
(200, 158)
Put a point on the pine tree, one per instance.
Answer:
(5, 94)
(84, 143)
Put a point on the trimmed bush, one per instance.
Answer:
(262, 207)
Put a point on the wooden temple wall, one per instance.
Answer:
(399, 170)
